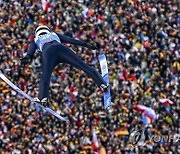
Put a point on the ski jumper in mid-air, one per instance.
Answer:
(53, 53)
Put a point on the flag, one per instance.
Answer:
(150, 113)
(146, 120)
(141, 108)
(122, 131)
(166, 101)
(46, 6)
(95, 144)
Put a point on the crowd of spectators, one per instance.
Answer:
(141, 41)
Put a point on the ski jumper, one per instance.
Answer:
(53, 53)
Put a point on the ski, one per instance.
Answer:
(105, 75)
(31, 99)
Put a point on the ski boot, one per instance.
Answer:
(104, 87)
(43, 102)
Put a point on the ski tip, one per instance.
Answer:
(101, 56)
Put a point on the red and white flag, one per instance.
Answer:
(141, 108)
(148, 112)
(46, 6)
(95, 144)
(166, 101)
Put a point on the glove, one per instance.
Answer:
(92, 47)
(27, 59)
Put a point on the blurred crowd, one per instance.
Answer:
(141, 41)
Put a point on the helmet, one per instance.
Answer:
(41, 30)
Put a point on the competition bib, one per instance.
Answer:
(40, 41)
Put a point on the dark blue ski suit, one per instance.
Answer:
(53, 53)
